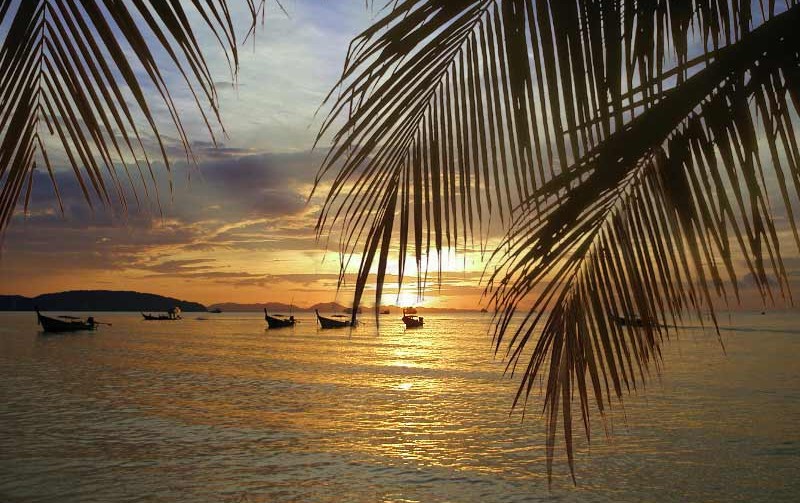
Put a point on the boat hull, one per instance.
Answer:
(53, 325)
(274, 322)
(632, 322)
(332, 322)
(150, 317)
(413, 322)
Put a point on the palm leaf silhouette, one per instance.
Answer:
(84, 76)
(633, 183)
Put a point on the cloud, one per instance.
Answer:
(234, 168)
(235, 202)
(244, 204)
(181, 266)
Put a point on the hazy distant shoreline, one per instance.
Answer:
(97, 300)
(130, 301)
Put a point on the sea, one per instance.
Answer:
(217, 408)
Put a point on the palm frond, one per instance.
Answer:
(633, 159)
(474, 104)
(82, 75)
(648, 225)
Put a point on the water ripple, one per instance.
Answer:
(221, 410)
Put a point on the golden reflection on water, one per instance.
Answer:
(226, 407)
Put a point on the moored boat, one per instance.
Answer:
(73, 325)
(159, 317)
(173, 314)
(632, 322)
(279, 320)
(411, 320)
(333, 321)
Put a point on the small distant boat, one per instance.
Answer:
(334, 321)
(631, 322)
(67, 324)
(216, 310)
(278, 320)
(410, 320)
(386, 311)
(483, 310)
(173, 314)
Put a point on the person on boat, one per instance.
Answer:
(291, 318)
(90, 320)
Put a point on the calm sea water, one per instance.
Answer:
(222, 410)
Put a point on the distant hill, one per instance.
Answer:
(110, 300)
(327, 307)
(97, 300)
(15, 303)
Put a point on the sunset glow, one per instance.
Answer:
(239, 227)
(257, 251)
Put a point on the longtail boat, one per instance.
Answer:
(173, 314)
(73, 325)
(278, 320)
(632, 322)
(159, 317)
(412, 321)
(334, 321)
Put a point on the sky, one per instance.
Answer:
(239, 226)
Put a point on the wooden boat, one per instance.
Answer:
(73, 325)
(631, 322)
(161, 317)
(216, 311)
(411, 320)
(173, 314)
(278, 320)
(386, 311)
(334, 321)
